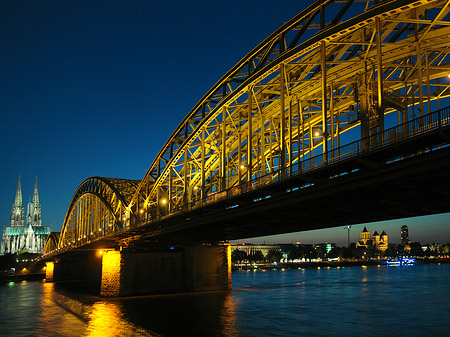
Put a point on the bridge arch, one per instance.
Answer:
(336, 71)
(51, 245)
(98, 208)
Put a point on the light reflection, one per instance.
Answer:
(106, 319)
(76, 314)
(228, 317)
(59, 314)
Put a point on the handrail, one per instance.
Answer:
(418, 126)
(410, 129)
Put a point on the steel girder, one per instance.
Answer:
(337, 67)
(332, 75)
(98, 209)
(51, 245)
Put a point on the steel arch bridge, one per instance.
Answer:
(98, 208)
(337, 72)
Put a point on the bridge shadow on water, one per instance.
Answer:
(195, 314)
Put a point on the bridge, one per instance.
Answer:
(339, 117)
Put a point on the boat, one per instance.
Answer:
(401, 261)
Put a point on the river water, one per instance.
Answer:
(352, 301)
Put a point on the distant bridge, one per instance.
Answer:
(336, 118)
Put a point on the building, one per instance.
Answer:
(324, 248)
(404, 236)
(251, 248)
(21, 235)
(377, 241)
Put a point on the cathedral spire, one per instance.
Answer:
(18, 201)
(35, 194)
(17, 214)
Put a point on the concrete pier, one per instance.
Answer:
(166, 271)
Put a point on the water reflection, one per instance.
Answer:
(65, 313)
(341, 302)
(107, 319)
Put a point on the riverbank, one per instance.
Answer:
(22, 277)
(323, 264)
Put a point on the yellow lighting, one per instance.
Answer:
(141, 211)
(317, 133)
(110, 271)
(163, 201)
(242, 166)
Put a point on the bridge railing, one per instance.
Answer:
(388, 137)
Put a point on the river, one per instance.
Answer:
(351, 301)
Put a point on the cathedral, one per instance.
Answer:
(21, 236)
(380, 242)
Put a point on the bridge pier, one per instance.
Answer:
(81, 269)
(181, 269)
(167, 270)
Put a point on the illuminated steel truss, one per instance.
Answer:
(337, 72)
(98, 209)
(52, 243)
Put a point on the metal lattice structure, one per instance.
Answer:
(337, 72)
(52, 243)
(98, 208)
(296, 95)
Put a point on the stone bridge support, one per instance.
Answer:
(181, 269)
(124, 273)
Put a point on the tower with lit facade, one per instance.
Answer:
(404, 236)
(27, 236)
(365, 238)
(380, 242)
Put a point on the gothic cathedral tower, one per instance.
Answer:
(17, 214)
(34, 209)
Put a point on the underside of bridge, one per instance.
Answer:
(336, 118)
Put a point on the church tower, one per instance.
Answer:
(17, 216)
(365, 236)
(383, 246)
(375, 239)
(34, 209)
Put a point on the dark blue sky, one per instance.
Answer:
(97, 87)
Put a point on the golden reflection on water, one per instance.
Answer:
(54, 320)
(72, 314)
(106, 319)
(228, 317)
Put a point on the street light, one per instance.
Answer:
(348, 235)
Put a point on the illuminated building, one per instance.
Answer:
(380, 242)
(324, 248)
(404, 235)
(251, 248)
(21, 236)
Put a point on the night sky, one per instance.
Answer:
(95, 88)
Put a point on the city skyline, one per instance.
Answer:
(95, 89)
